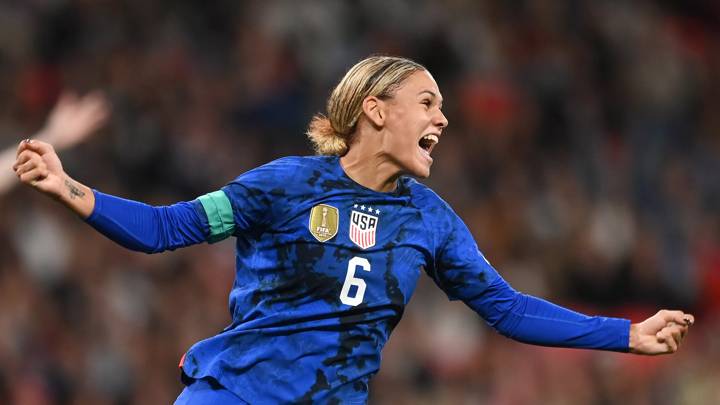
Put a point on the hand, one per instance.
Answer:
(74, 118)
(39, 166)
(662, 333)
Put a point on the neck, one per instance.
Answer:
(370, 167)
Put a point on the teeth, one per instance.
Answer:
(432, 138)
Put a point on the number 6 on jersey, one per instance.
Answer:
(350, 280)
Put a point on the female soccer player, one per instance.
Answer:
(330, 247)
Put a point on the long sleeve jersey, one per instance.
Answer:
(324, 269)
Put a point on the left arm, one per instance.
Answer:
(533, 320)
(462, 272)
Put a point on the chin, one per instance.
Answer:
(422, 172)
(416, 166)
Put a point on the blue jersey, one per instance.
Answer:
(324, 270)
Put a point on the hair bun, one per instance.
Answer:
(325, 139)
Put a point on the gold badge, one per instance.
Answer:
(324, 222)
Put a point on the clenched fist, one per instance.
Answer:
(662, 333)
(39, 166)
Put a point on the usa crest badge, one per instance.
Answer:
(363, 227)
(324, 221)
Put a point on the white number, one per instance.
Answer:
(350, 280)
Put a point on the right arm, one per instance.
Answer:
(134, 225)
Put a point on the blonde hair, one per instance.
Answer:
(378, 76)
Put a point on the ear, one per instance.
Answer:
(374, 110)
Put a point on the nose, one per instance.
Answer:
(440, 120)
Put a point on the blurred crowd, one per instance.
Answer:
(583, 152)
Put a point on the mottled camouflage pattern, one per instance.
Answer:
(292, 340)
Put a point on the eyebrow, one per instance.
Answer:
(432, 93)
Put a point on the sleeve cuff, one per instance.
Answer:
(622, 326)
(97, 209)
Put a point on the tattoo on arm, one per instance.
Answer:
(74, 190)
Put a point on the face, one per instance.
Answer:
(413, 124)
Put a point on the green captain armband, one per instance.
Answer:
(219, 214)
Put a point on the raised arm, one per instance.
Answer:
(132, 224)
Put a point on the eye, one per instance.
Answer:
(426, 103)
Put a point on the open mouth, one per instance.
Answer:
(428, 142)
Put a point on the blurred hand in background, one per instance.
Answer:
(72, 120)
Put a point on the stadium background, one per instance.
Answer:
(583, 152)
